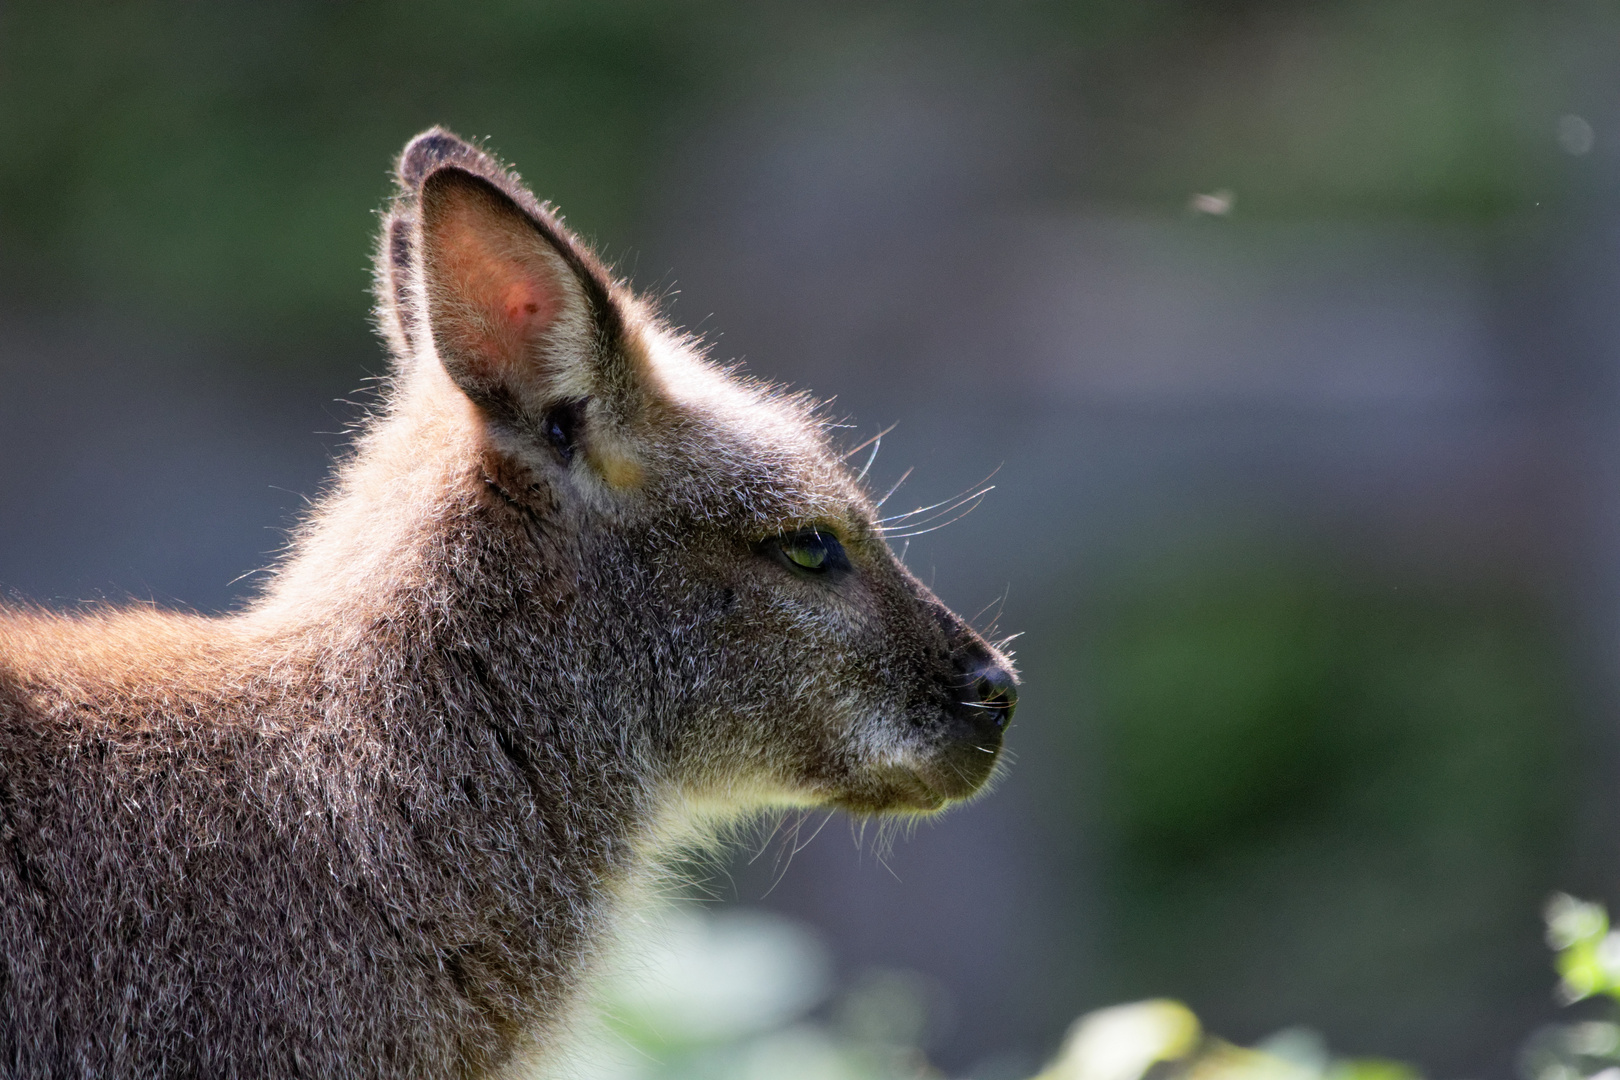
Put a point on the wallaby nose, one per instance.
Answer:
(985, 698)
(982, 698)
(995, 693)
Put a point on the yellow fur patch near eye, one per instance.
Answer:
(619, 472)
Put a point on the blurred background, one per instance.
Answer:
(1287, 327)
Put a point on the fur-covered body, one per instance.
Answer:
(538, 636)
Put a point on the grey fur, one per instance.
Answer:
(540, 635)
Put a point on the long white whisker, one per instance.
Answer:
(901, 529)
(913, 513)
(933, 528)
(890, 493)
(789, 844)
(1002, 599)
(765, 843)
(942, 504)
(882, 858)
(940, 509)
(877, 444)
(864, 443)
(954, 498)
(815, 834)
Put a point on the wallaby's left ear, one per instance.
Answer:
(521, 314)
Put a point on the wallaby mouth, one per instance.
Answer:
(956, 766)
(962, 766)
(952, 772)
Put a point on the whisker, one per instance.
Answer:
(890, 493)
(765, 843)
(863, 444)
(935, 528)
(1002, 600)
(815, 834)
(954, 498)
(902, 527)
(298, 494)
(876, 443)
(879, 853)
(792, 849)
(912, 513)
(944, 506)
(938, 510)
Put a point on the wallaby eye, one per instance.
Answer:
(809, 555)
(811, 552)
(560, 427)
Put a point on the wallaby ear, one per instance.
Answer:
(509, 315)
(521, 314)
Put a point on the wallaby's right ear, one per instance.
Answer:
(520, 313)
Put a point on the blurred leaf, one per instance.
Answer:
(694, 977)
(1122, 1042)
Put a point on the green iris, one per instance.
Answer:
(806, 551)
(810, 551)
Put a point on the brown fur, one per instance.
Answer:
(541, 634)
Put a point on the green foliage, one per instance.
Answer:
(218, 162)
(1164, 1039)
(742, 995)
(1324, 794)
(1588, 953)
(223, 160)
(1587, 957)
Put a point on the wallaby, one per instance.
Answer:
(576, 599)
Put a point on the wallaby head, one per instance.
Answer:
(698, 555)
(577, 595)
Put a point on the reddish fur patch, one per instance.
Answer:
(514, 303)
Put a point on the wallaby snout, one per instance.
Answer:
(981, 697)
(989, 695)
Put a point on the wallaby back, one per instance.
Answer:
(576, 599)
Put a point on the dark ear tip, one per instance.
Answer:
(431, 149)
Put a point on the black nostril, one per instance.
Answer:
(996, 690)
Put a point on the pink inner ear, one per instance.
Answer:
(526, 305)
(515, 301)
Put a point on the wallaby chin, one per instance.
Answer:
(577, 598)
